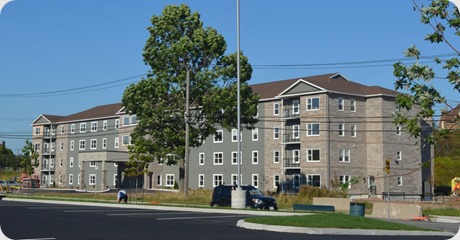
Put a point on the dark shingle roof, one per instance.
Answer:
(95, 112)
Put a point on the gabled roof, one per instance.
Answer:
(450, 115)
(47, 118)
(333, 82)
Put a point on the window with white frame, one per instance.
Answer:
(61, 146)
(82, 127)
(126, 120)
(93, 144)
(400, 181)
(399, 156)
(295, 107)
(353, 130)
(116, 142)
(71, 179)
(312, 129)
(398, 130)
(352, 105)
(218, 158)
(235, 158)
(93, 126)
(52, 162)
(296, 131)
(340, 104)
(201, 158)
(104, 143)
(159, 180)
(78, 179)
(37, 131)
(313, 155)
(255, 157)
(201, 180)
(72, 128)
(82, 145)
(276, 109)
(170, 180)
(313, 180)
(126, 140)
(344, 155)
(312, 104)
(219, 136)
(345, 180)
(92, 164)
(72, 145)
(62, 129)
(117, 123)
(234, 135)
(276, 156)
(276, 182)
(61, 162)
(255, 180)
(296, 156)
(92, 179)
(255, 134)
(276, 133)
(341, 129)
(104, 125)
(133, 119)
(218, 179)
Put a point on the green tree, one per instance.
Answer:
(179, 43)
(29, 160)
(417, 78)
(7, 157)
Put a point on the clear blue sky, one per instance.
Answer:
(94, 48)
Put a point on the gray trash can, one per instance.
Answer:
(357, 209)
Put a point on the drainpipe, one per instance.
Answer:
(328, 183)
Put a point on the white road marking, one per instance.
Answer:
(185, 218)
(147, 213)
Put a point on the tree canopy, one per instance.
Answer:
(417, 78)
(29, 160)
(179, 43)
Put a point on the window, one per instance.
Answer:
(72, 128)
(52, 162)
(82, 127)
(235, 158)
(104, 143)
(295, 181)
(344, 155)
(276, 133)
(218, 158)
(92, 164)
(93, 126)
(399, 156)
(276, 182)
(219, 136)
(295, 107)
(70, 179)
(104, 125)
(312, 104)
(345, 180)
(82, 145)
(234, 179)
(255, 134)
(234, 135)
(170, 180)
(352, 105)
(276, 109)
(92, 179)
(61, 146)
(296, 131)
(78, 179)
(313, 180)
(200, 180)
(312, 129)
(341, 129)
(313, 155)
(61, 162)
(159, 180)
(116, 142)
(126, 123)
(255, 157)
(126, 140)
(276, 156)
(117, 123)
(398, 130)
(37, 131)
(93, 144)
(400, 181)
(353, 130)
(62, 129)
(255, 180)
(218, 179)
(79, 163)
(115, 180)
(340, 104)
(201, 158)
(296, 156)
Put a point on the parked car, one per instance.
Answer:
(12, 184)
(222, 196)
(2, 184)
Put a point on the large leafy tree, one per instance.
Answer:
(7, 158)
(178, 44)
(417, 78)
(29, 159)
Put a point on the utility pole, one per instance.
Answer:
(187, 129)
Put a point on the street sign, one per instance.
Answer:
(387, 166)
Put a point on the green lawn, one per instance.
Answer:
(333, 220)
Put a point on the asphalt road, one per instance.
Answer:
(29, 220)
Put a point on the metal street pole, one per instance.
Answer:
(187, 129)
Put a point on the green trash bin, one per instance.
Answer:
(357, 209)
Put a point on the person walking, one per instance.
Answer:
(122, 196)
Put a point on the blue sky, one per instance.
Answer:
(84, 53)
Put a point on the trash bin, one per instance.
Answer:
(357, 209)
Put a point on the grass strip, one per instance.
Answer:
(333, 220)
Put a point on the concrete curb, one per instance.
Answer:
(337, 231)
(444, 219)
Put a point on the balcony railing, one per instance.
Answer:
(291, 138)
(290, 112)
(291, 162)
(47, 167)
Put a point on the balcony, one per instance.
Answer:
(291, 138)
(291, 112)
(47, 167)
(291, 162)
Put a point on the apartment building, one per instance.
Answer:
(449, 119)
(322, 130)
